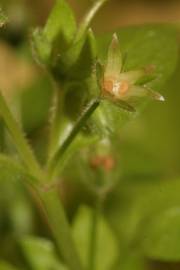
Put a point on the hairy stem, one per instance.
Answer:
(56, 122)
(53, 207)
(55, 162)
(88, 18)
(60, 229)
(22, 145)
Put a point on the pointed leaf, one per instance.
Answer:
(114, 59)
(57, 34)
(61, 24)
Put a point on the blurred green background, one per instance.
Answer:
(149, 146)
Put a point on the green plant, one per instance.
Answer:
(98, 87)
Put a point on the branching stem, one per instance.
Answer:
(55, 162)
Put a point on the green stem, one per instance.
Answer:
(22, 145)
(55, 162)
(54, 209)
(60, 229)
(56, 121)
(88, 18)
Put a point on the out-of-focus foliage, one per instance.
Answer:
(141, 215)
(40, 254)
(107, 246)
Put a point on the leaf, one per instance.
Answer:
(57, 34)
(133, 209)
(141, 139)
(40, 254)
(61, 24)
(107, 249)
(6, 266)
(161, 238)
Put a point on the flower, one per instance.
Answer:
(122, 87)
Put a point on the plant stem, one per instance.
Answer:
(53, 207)
(56, 121)
(55, 162)
(60, 229)
(22, 145)
(88, 18)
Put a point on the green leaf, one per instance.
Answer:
(107, 249)
(142, 138)
(40, 254)
(144, 46)
(61, 24)
(57, 34)
(161, 238)
(6, 266)
(136, 208)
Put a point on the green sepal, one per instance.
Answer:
(77, 62)
(61, 24)
(41, 48)
(114, 59)
(57, 34)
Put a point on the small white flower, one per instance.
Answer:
(121, 87)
